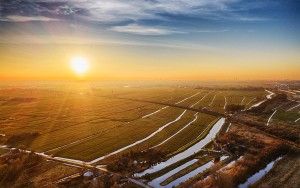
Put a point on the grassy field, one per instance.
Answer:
(286, 116)
(2, 151)
(86, 123)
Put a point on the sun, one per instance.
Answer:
(79, 65)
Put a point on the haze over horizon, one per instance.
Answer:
(149, 40)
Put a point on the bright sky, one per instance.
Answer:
(145, 39)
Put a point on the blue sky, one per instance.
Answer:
(260, 29)
(180, 18)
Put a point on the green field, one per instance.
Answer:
(81, 123)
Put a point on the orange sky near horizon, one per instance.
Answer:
(52, 62)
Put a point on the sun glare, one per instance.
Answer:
(79, 65)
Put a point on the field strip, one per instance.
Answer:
(139, 141)
(94, 119)
(196, 117)
(148, 115)
(199, 100)
(270, 118)
(199, 137)
(60, 159)
(212, 101)
(188, 124)
(293, 107)
(190, 174)
(270, 94)
(91, 136)
(73, 143)
(279, 106)
(242, 100)
(78, 141)
(187, 98)
(188, 152)
(251, 101)
(156, 182)
(225, 102)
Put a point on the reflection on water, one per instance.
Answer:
(193, 173)
(156, 182)
(188, 152)
(260, 174)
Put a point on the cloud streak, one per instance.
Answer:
(16, 18)
(143, 30)
(125, 16)
(123, 10)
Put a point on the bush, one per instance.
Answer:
(234, 107)
(22, 139)
(126, 162)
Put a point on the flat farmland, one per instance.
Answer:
(88, 123)
(217, 100)
(120, 136)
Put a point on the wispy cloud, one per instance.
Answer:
(120, 10)
(211, 31)
(123, 10)
(253, 19)
(143, 30)
(16, 18)
(113, 14)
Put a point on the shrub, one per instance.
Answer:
(22, 139)
(234, 107)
